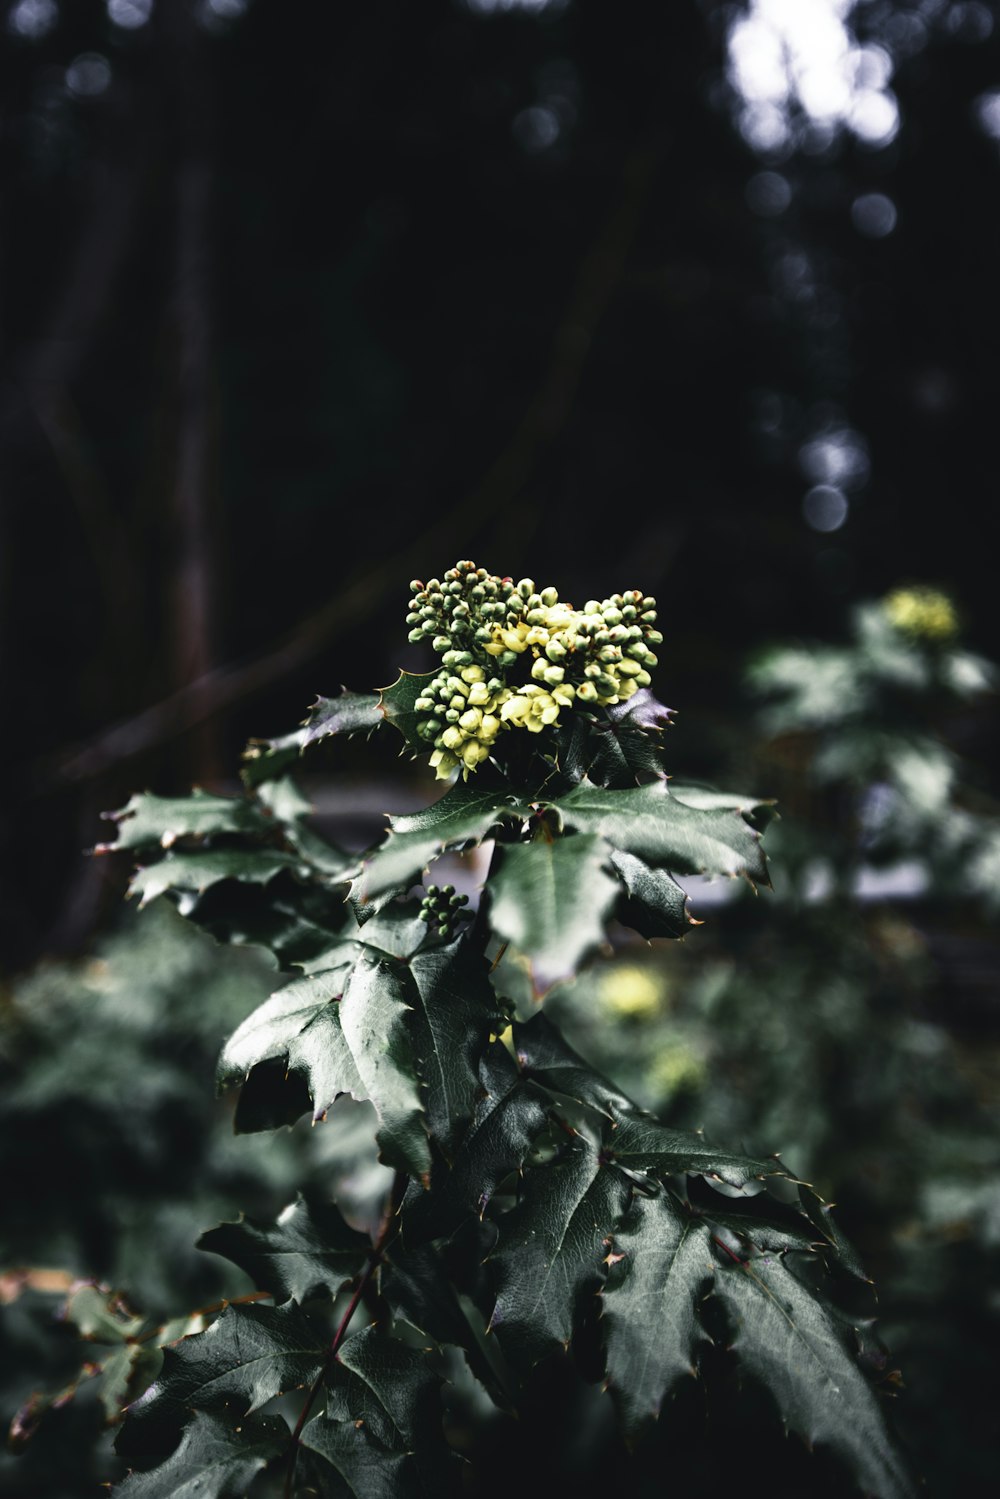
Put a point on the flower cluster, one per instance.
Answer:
(922, 613)
(513, 657)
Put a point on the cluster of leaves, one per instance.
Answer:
(534, 1207)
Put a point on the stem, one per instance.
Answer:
(386, 1233)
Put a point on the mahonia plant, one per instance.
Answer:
(533, 1207)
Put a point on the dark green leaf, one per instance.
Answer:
(299, 923)
(649, 822)
(507, 1120)
(396, 703)
(640, 1143)
(545, 1056)
(652, 903)
(215, 1460)
(309, 1251)
(650, 1304)
(248, 1356)
(456, 1009)
(301, 1025)
(464, 815)
(149, 820)
(785, 1336)
(194, 873)
(382, 1431)
(551, 1250)
(550, 901)
(378, 1027)
(350, 713)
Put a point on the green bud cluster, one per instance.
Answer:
(487, 629)
(441, 908)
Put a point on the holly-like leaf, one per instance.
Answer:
(455, 1008)
(464, 815)
(193, 873)
(507, 1121)
(248, 1356)
(350, 713)
(98, 1315)
(651, 902)
(661, 1262)
(381, 1432)
(216, 1459)
(655, 826)
(757, 813)
(547, 1059)
(550, 899)
(309, 1251)
(641, 1144)
(301, 924)
(800, 1351)
(300, 1025)
(147, 820)
(377, 1025)
(551, 1250)
(396, 704)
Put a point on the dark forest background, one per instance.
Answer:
(301, 300)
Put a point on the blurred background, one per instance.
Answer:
(300, 301)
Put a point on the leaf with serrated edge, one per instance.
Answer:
(649, 1306)
(248, 1356)
(652, 903)
(301, 1023)
(309, 1251)
(396, 703)
(382, 1431)
(378, 1027)
(550, 901)
(642, 1144)
(215, 1460)
(545, 1056)
(455, 1009)
(350, 713)
(649, 822)
(464, 815)
(786, 1338)
(506, 1123)
(148, 819)
(550, 1251)
(196, 872)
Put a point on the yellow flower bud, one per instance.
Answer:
(470, 720)
(472, 674)
(452, 737)
(473, 753)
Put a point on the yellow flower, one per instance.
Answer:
(923, 613)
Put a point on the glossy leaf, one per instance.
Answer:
(248, 1356)
(193, 873)
(650, 823)
(650, 1305)
(147, 820)
(215, 1459)
(785, 1336)
(550, 899)
(309, 1251)
(651, 902)
(551, 1250)
(464, 815)
(455, 1010)
(377, 1025)
(396, 704)
(350, 713)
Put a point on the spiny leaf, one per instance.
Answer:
(640, 1143)
(507, 1121)
(464, 815)
(377, 1025)
(309, 1251)
(758, 813)
(396, 703)
(545, 1056)
(651, 902)
(785, 1336)
(150, 820)
(302, 1025)
(215, 1460)
(650, 1304)
(248, 1356)
(455, 1009)
(98, 1315)
(550, 901)
(551, 1249)
(298, 923)
(649, 822)
(382, 1433)
(193, 873)
(350, 713)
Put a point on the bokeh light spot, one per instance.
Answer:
(873, 215)
(825, 508)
